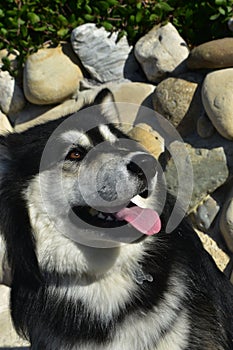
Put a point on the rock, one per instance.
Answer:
(204, 127)
(213, 54)
(226, 221)
(161, 51)
(209, 171)
(205, 213)
(220, 257)
(105, 58)
(217, 98)
(179, 101)
(5, 126)
(149, 138)
(50, 76)
(132, 98)
(11, 98)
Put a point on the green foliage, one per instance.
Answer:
(27, 24)
(200, 21)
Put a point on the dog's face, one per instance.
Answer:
(90, 179)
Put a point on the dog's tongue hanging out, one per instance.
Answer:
(146, 220)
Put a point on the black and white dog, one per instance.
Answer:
(92, 266)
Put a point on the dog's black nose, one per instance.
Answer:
(143, 165)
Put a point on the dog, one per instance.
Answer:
(92, 267)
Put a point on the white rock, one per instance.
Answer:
(217, 98)
(11, 98)
(5, 126)
(101, 54)
(161, 51)
(50, 76)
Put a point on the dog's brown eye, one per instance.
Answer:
(74, 155)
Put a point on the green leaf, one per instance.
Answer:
(139, 16)
(104, 5)
(89, 18)
(153, 17)
(108, 26)
(222, 11)
(166, 7)
(220, 2)
(39, 29)
(88, 9)
(33, 17)
(63, 20)
(3, 31)
(214, 17)
(62, 32)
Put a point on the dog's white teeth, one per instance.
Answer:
(109, 218)
(101, 216)
(93, 212)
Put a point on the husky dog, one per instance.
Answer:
(92, 266)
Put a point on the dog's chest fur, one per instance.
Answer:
(99, 291)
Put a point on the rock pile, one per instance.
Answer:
(192, 90)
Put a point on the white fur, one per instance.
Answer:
(76, 137)
(107, 134)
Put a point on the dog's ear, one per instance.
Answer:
(105, 101)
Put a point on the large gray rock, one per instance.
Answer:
(160, 52)
(213, 54)
(217, 98)
(179, 101)
(50, 76)
(11, 98)
(210, 171)
(105, 58)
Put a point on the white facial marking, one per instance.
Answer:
(107, 134)
(75, 136)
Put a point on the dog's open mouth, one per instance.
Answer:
(145, 220)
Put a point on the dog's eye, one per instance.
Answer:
(75, 154)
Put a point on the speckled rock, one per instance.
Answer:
(213, 54)
(179, 101)
(161, 51)
(209, 171)
(217, 98)
(105, 58)
(11, 98)
(50, 76)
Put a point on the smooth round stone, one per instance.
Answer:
(213, 54)
(217, 98)
(50, 76)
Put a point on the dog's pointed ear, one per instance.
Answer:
(105, 101)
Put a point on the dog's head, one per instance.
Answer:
(93, 182)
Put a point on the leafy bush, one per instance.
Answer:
(26, 24)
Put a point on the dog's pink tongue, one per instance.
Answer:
(146, 220)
